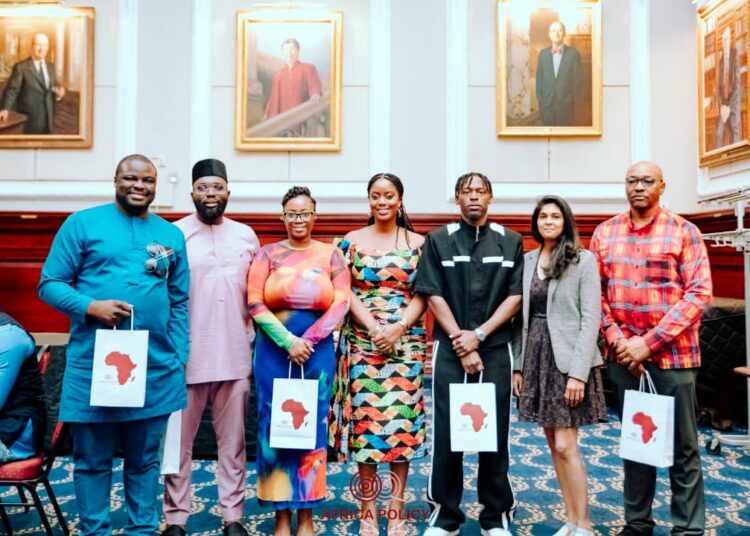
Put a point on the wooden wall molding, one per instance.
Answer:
(25, 239)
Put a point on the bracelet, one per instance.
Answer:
(404, 324)
(374, 331)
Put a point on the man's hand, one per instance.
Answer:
(300, 351)
(620, 346)
(464, 342)
(574, 392)
(472, 363)
(3, 115)
(110, 312)
(631, 353)
(387, 336)
(724, 111)
(638, 371)
(517, 384)
(59, 92)
(637, 352)
(638, 348)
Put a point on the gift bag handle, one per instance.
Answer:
(290, 370)
(646, 382)
(481, 375)
(132, 319)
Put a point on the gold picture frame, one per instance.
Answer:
(549, 87)
(288, 87)
(52, 106)
(723, 82)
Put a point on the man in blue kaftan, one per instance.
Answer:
(106, 262)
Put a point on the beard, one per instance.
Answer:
(211, 213)
(133, 210)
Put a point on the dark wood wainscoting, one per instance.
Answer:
(25, 239)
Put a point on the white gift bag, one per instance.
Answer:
(473, 416)
(647, 434)
(294, 412)
(171, 445)
(118, 378)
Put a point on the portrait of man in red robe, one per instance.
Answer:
(295, 83)
(288, 81)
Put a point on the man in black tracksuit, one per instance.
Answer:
(471, 273)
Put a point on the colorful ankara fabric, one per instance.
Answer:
(295, 293)
(656, 283)
(378, 407)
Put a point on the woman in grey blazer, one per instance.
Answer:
(555, 376)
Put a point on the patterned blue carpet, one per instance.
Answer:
(540, 512)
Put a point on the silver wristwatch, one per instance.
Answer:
(481, 336)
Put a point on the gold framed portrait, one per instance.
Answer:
(288, 88)
(549, 68)
(46, 76)
(723, 82)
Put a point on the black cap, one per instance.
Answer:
(210, 167)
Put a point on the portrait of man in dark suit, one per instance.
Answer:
(558, 79)
(33, 90)
(728, 92)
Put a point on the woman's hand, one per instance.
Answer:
(300, 351)
(574, 392)
(517, 384)
(387, 336)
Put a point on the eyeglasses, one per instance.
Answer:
(204, 188)
(648, 182)
(157, 252)
(291, 217)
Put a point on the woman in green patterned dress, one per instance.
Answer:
(378, 410)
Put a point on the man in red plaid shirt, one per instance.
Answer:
(656, 285)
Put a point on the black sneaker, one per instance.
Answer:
(235, 529)
(174, 530)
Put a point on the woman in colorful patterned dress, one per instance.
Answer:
(298, 292)
(378, 410)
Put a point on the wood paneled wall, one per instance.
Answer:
(25, 240)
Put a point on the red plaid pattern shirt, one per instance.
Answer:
(656, 283)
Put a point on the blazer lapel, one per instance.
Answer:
(528, 274)
(32, 67)
(551, 292)
(563, 61)
(548, 63)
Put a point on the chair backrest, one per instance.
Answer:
(52, 367)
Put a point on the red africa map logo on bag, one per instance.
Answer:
(476, 413)
(647, 426)
(123, 364)
(297, 410)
